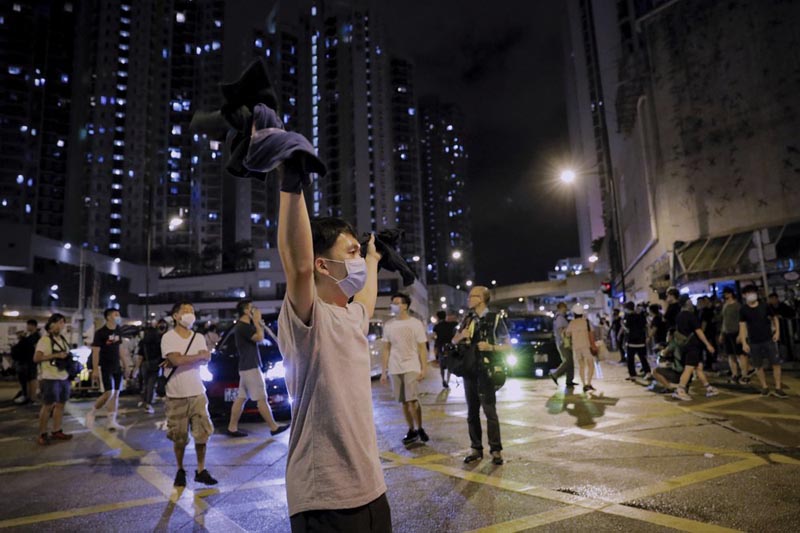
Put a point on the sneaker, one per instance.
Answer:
(750, 373)
(280, 430)
(648, 376)
(445, 385)
(238, 433)
(149, 409)
(764, 392)
(474, 455)
(734, 379)
(571, 384)
(778, 393)
(89, 420)
(588, 388)
(43, 439)
(423, 436)
(630, 378)
(140, 404)
(113, 425)
(711, 391)
(497, 458)
(652, 386)
(744, 380)
(60, 435)
(681, 394)
(19, 400)
(204, 477)
(411, 436)
(180, 478)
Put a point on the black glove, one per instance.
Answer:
(391, 260)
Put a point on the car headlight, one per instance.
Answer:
(205, 373)
(511, 360)
(276, 371)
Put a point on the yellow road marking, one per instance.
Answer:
(716, 403)
(681, 524)
(81, 511)
(778, 458)
(779, 416)
(691, 479)
(537, 520)
(67, 462)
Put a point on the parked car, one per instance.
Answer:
(375, 337)
(222, 378)
(534, 349)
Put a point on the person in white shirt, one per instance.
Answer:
(51, 352)
(405, 358)
(187, 406)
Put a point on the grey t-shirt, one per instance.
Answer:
(730, 317)
(333, 460)
(248, 350)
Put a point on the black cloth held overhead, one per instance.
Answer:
(391, 260)
(233, 123)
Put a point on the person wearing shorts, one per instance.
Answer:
(729, 339)
(687, 325)
(405, 359)
(759, 333)
(187, 406)
(50, 350)
(107, 369)
(248, 332)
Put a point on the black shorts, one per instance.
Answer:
(26, 371)
(112, 380)
(693, 355)
(374, 517)
(670, 374)
(731, 345)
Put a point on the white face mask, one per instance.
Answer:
(187, 320)
(751, 297)
(394, 309)
(356, 276)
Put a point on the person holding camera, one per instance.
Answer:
(487, 333)
(248, 332)
(51, 354)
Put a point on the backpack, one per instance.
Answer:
(69, 363)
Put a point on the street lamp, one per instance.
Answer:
(568, 175)
(456, 255)
(416, 259)
(593, 258)
(468, 283)
(175, 223)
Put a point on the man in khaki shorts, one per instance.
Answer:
(187, 405)
(249, 331)
(405, 358)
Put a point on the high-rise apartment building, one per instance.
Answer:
(444, 162)
(36, 71)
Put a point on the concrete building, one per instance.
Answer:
(448, 224)
(36, 51)
(697, 133)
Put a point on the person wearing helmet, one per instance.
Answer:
(583, 346)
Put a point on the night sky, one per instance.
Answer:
(503, 63)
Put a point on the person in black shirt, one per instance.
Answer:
(617, 334)
(759, 333)
(150, 351)
(658, 326)
(444, 331)
(635, 324)
(673, 307)
(22, 353)
(708, 324)
(107, 368)
(689, 338)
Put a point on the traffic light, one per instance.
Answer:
(606, 288)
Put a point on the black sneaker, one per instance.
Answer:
(734, 379)
(474, 455)
(750, 373)
(445, 385)
(778, 393)
(588, 388)
(764, 392)
(411, 436)
(423, 436)
(203, 477)
(571, 385)
(497, 458)
(280, 430)
(238, 433)
(180, 478)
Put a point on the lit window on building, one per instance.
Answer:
(180, 17)
(264, 283)
(264, 264)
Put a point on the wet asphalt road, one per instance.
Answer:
(624, 459)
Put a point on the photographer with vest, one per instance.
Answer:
(52, 351)
(487, 334)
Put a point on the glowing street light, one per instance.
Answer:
(67, 246)
(468, 283)
(456, 255)
(593, 258)
(494, 282)
(443, 299)
(175, 223)
(568, 175)
(416, 258)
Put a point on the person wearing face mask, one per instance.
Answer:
(759, 333)
(248, 332)
(107, 369)
(150, 366)
(405, 359)
(334, 479)
(54, 379)
(185, 351)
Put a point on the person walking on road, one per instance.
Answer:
(759, 333)
(249, 331)
(22, 354)
(405, 360)
(635, 324)
(443, 331)
(729, 339)
(690, 339)
(564, 347)
(580, 334)
(51, 351)
(487, 334)
(185, 351)
(150, 352)
(107, 369)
